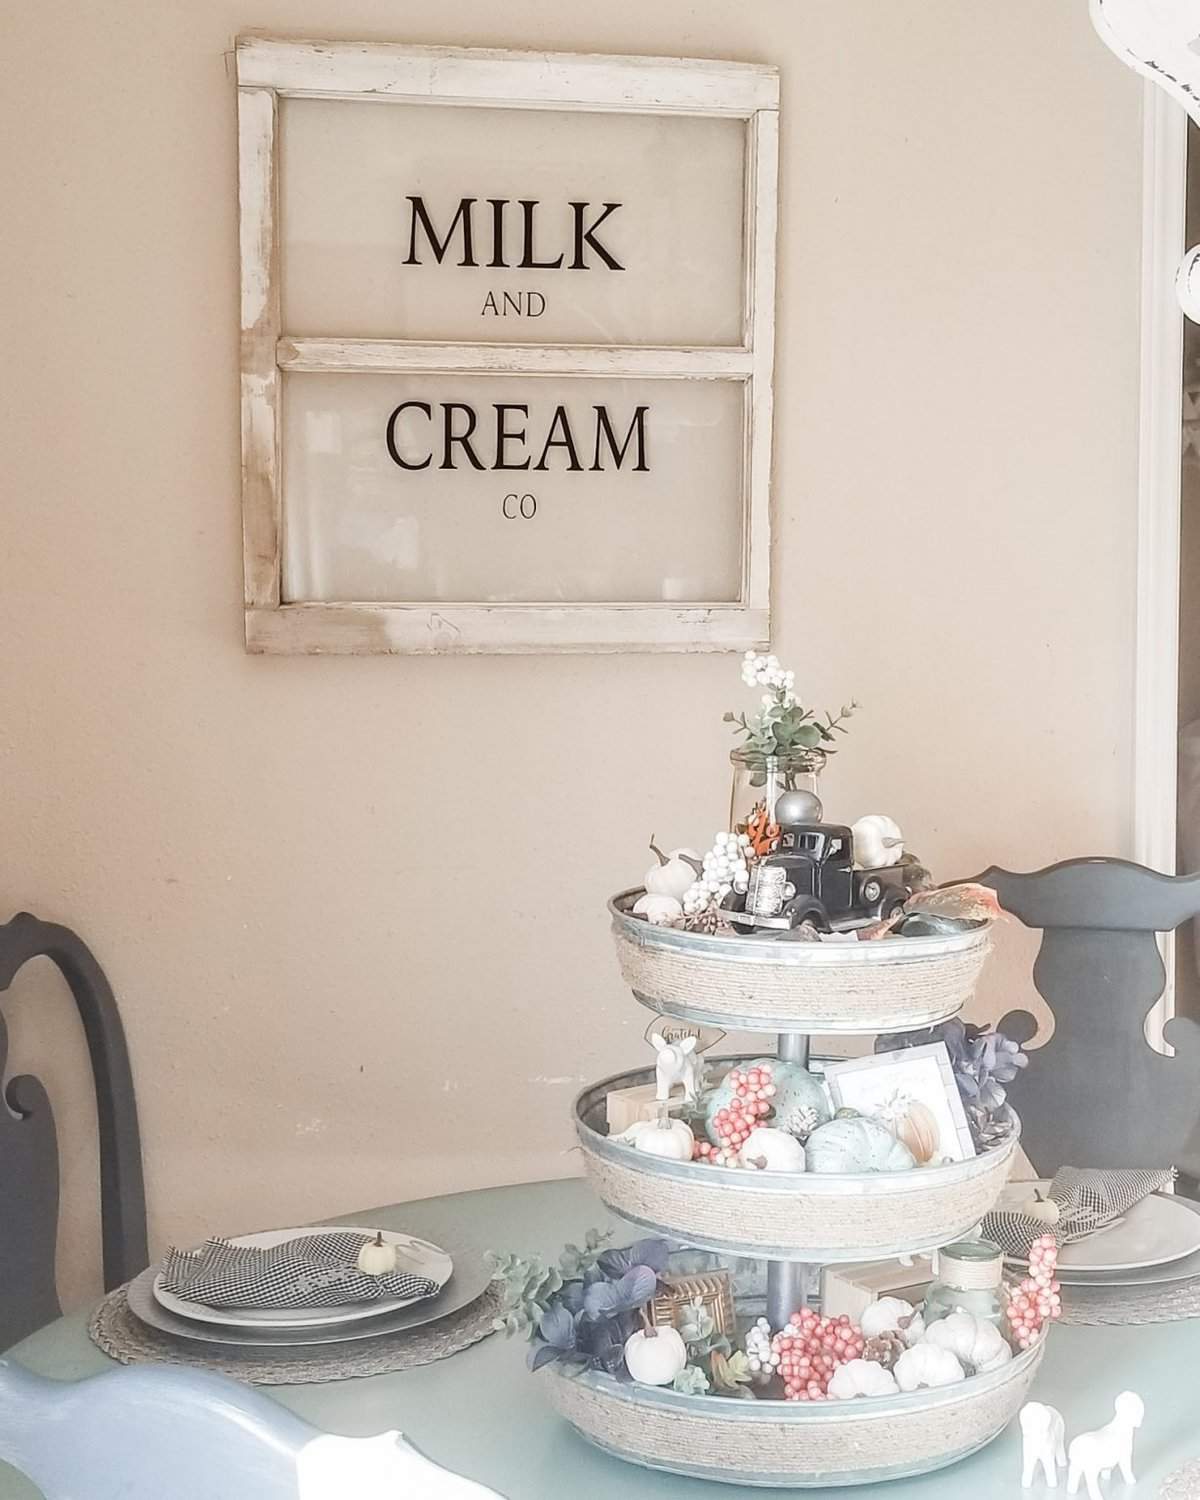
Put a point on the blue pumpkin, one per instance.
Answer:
(799, 1106)
(857, 1145)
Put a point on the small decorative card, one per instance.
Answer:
(913, 1093)
(671, 1031)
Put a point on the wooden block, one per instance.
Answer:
(851, 1288)
(625, 1107)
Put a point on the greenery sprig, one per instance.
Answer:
(783, 726)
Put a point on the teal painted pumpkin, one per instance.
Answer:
(857, 1145)
(799, 1105)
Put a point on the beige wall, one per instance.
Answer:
(271, 855)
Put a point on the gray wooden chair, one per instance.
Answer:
(1097, 1094)
(29, 1181)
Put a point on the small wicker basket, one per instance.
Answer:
(787, 1215)
(793, 1444)
(833, 988)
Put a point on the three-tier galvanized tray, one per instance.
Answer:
(807, 1216)
(792, 1221)
(790, 1444)
(761, 984)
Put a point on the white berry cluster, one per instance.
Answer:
(765, 671)
(723, 869)
(761, 1358)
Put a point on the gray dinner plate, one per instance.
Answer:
(470, 1278)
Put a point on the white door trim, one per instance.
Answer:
(1156, 671)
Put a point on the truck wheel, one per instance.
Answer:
(871, 891)
(893, 906)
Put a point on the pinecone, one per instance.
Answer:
(712, 921)
(801, 1120)
(884, 1349)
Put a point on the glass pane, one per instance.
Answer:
(504, 488)
(371, 193)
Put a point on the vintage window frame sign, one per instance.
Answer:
(269, 69)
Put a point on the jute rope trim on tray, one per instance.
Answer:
(769, 1445)
(880, 995)
(114, 1329)
(765, 1219)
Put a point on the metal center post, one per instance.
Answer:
(788, 1281)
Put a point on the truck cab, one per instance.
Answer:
(810, 879)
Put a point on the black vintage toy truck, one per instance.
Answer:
(810, 880)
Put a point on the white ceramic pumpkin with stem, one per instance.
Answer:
(377, 1257)
(671, 1139)
(659, 911)
(773, 1150)
(673, 874)
(878, 841)
(926, 1366)
(977, 1344)
(654, 1356)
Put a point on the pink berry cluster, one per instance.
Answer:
(1037, 1298)
(753, 1091)
(810, 1349)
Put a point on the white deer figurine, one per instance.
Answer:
(1094, 1455)
(676, 1063)
(1042, 1443)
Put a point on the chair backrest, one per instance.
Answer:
(1097, 1094)
(29, 1183)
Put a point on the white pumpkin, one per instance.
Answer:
(861, 1377)
(658, 910)
(926, 1365)
(377, 1257)
(773, 1150)
(892, 1315)
(672, 875)
(1045, 1210)
(669, 1138)
(977, 1344)
(877, 841)
(655, 1355)
(856, 1145)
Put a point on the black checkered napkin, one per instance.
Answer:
(1088, 1199)
(317, 1270)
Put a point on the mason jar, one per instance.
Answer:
(760, 780)
(969, 1278)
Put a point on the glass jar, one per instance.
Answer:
(760, 780)
(969, 1278)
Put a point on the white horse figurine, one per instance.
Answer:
(1094, 1455)
(150, 1432)
(676, 1062)
(1043, 1436)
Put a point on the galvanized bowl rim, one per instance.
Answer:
(832, 1184)
(737, 949)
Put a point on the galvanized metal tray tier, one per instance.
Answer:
(793, 1444)
(759, 984)
(799, 1216)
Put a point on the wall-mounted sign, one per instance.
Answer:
(507, 342)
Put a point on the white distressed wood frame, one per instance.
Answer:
(1156, 675)
(268, 69)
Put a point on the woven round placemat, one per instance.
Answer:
(125, 1338)
(1121, 1304)
(1182, 1483)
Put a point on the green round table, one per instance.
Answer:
(481, 1413)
